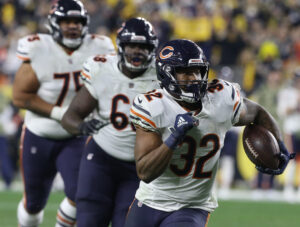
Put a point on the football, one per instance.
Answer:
(261, 146)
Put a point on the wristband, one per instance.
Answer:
(172, 142)
(57, 112)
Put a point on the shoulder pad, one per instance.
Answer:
(230, 92)
(27, 45)
(94, 64)
(146, 108)
(227, 95)
(104, 42)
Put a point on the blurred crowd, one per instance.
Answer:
(255, 43)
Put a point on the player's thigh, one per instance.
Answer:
(142, 215)
(186, 217)
(38, 169)
(125, 193)
(96, 184)
(68, 162)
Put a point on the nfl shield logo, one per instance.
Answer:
(131, 85)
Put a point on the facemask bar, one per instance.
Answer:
(191, 91)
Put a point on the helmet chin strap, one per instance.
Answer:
(188, 97)
(71, 43)
(184, 97)
(171, 96)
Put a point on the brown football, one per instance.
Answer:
(261, 146)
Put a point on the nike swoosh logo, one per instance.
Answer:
(140, 100)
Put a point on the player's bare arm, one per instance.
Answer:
(256, 114)
(81, 106)
(25, 90)
(151, 154)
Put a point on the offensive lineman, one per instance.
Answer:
(107, 177)
(180, 131)
(45, 84)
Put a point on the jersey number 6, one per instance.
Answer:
(119, 119)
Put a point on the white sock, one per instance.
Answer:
(66, 214)
(28, 220)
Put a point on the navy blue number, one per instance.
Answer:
(119, 119)
(189, 157)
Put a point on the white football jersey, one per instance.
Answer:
(115, 93)
(58, 74)
(189, 177)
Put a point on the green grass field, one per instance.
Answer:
(229, 213)
(8, 206)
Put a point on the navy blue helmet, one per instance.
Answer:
(181, 54)
(137, 31)
(64, 9)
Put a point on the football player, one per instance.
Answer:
(44, 85)
(107, 177)
(180, 130)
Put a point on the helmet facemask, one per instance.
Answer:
(190, 91)
(137, 61)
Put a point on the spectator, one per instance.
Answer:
(289, 110)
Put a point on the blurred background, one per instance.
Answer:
(255, 43)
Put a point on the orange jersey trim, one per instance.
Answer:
(235, 105)
(144, 118)
(23, 58)
(86, 75)
(238, 99)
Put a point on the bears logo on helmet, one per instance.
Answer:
(168, 54)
